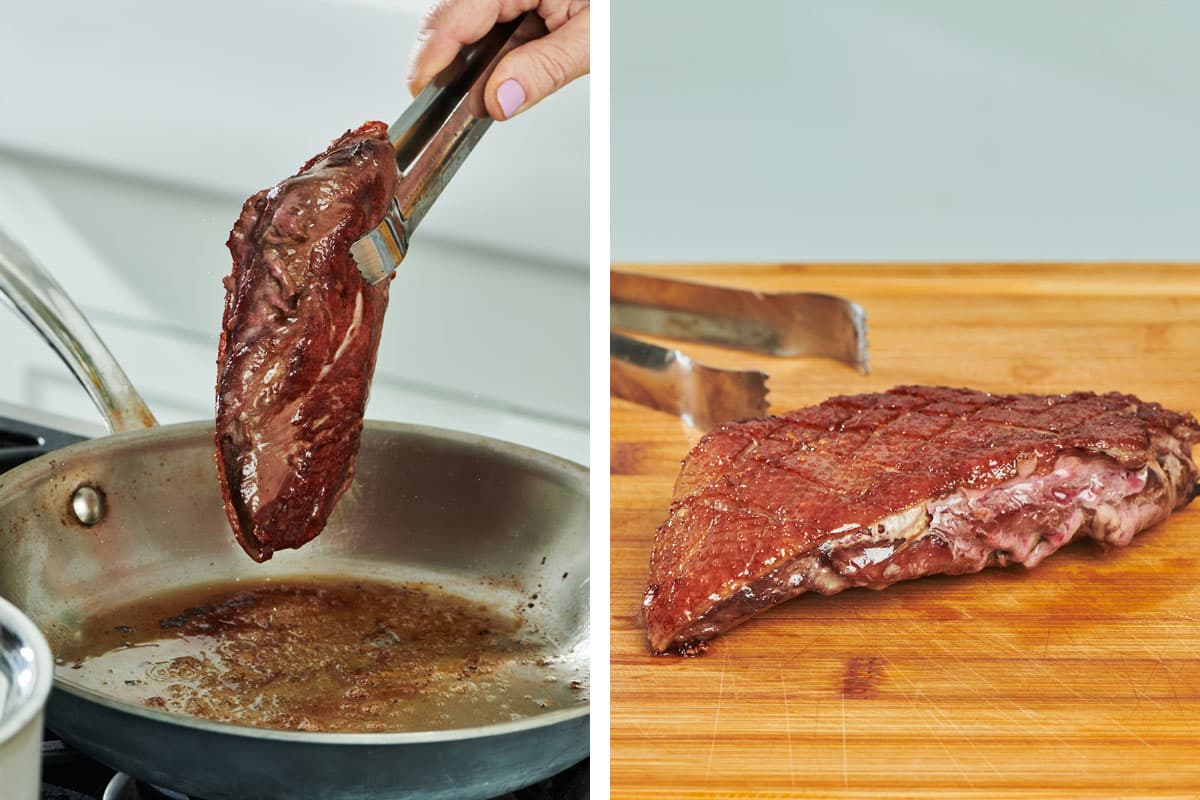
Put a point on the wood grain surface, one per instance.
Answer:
(1080, 677)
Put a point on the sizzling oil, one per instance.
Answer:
(347, 656)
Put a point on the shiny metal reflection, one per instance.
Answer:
(671, 381)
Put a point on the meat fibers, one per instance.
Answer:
(298, 343)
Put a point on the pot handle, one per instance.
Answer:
(46, 305)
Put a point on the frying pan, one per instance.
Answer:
(139, 512)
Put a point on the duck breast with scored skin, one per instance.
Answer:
(298, 343)
(871, 489)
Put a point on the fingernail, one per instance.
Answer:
(511, 97)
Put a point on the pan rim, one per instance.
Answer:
(577, 474)
(18, 477)
(188, 428)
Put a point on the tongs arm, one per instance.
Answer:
(432, 138)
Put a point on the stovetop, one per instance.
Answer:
(69, 775)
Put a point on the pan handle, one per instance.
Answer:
(46, 305)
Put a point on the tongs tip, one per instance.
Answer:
(861, 358)
(379, 253)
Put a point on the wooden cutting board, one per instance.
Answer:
(1079, 677)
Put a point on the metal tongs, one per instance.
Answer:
(785, 324)
(432, 138)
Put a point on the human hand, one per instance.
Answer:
(527, 74)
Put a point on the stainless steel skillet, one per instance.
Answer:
(478, 516)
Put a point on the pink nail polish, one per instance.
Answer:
(511, 97)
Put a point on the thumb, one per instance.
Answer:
(539, 68)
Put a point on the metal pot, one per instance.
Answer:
(26, 672)
(135, 514)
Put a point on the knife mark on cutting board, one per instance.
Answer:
(712, 744)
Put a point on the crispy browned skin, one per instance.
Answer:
(298, 343)
(769, 508)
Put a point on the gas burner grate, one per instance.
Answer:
(58, 793)
(23, 441)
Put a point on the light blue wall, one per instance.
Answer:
(905, 129)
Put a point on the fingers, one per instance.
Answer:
(539, 68)
(450, 24)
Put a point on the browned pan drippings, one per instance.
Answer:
(333, 655)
